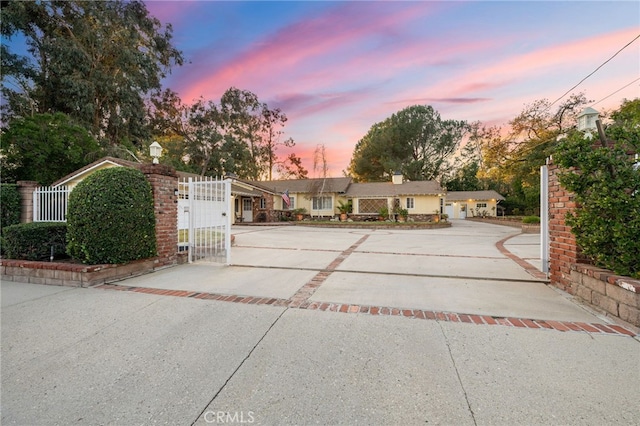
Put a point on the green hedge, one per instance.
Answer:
(33, 241)
(531, 219)
(110, 217)
(9, 205)
(606, 185)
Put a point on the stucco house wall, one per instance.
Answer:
(463, 204)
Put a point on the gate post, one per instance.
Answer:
(228, 213)
(563, 249)
(164, 185)
(544, 218)
(26, 188)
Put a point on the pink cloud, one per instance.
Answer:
(171, 10)
(460, 100)
(546, 61)
(297, 46)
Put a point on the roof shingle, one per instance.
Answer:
(473, 195)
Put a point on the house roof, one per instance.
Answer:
(473, 195)
(588, 111)
(327, 185)
(88, 169)
(248, 189)
(388, 189)
(237, 188)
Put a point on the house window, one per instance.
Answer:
(481, 205)
(292, 204)
(410, 203)
(322, 203)
(263, 203)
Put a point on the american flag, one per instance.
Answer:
(285, 198)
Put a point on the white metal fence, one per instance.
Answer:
(50, 204)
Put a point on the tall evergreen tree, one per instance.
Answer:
(414, 141)
(94, 61)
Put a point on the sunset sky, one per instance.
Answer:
(336, 68)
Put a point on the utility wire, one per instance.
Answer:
(622, 88)
(594, 71)
(531, 148)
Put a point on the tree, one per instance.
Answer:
(509, 159)
(44, 148)
(254, 124)
(534, 134)
(291, 168)
(239, 135)
(94, 61)
(414, 141)
(626, 124)
(204, 132)
(196, 137)
(317, 185)
(464, 178)
(272, 122)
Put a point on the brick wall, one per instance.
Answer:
(616, 295)
(569, 270)
(70, 274)
(563, 250)
(164, 182)
(269, 210)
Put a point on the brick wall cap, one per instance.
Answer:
(63, 266)
(158, 169)
(607, 276)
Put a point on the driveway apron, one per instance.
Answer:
(322, 326)
(455, 270)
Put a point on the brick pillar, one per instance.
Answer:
(26, 188)
(563, 249)
(164, 182)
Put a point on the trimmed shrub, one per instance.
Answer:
(9, 205)
(531, 219)
(606, 185)
(110, 218)
(34, 241)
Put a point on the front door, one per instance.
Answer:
(247, 210)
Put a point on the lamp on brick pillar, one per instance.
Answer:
(587, 121)
(156, 151)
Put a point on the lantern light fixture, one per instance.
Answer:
(155, 150)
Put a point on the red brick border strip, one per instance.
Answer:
(422, 314)
(529, 268)
(307, 290)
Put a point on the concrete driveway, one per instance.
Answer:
(322, 326)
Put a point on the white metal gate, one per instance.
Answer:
(204, 219)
